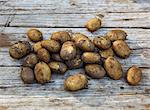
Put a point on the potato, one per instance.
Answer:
(90, 57)
(106, 53)
(83, 42)
(20, 49)
(75, 63)
(95, 71)
(102, 42)
(121, 48)
(27, 75)
(93, 24)
(113, 68)
(134, 75)
(116, 35)
(68, 50)
(31, 60)
(43, 55)
(37, 46)
(51, 45)
(42, 72)
(34, 35)
(58, 67)
(75, 82)
(56, 57)
(61, 36)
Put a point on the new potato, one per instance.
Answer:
(43, 55)
(90, 57)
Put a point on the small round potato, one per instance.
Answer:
(106, 53)
(116, 35)
(58, 67)
(93, 24)
(121, 48)
(68, 50)
(75, 82)
(27, 75)
(34, 35)
(61, 36)
(83, 42)
(113, 68)
(51, 45)
(42, 72)
(134, 75)
(90, 57)
(75, 63)
(95, 71)
(37, 46)
(102, 42)
(31, 60)
(20, 49)
(43, 55)
(56, 57)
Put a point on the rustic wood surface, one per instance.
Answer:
(17, 16)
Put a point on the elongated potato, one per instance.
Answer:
(116, 35)
(75, 82)
(58, 67)
(134, 75)
(93, 24)
(34, 35)
(68, 50)
(90, 57)
(20, 49)
(31, 60)
(106, 53)
(37, 46)
(95, 71)
(27, 75)
(113, 68)
(56, 57)
(42, 72)
(102, 42)
(83, 42)
(51, 45)
(43, 55)
(61, 36)
(75, 63)
(121, 48)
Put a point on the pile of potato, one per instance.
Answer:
(64, 51)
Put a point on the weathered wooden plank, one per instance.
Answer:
(72, 6)
(76, 20)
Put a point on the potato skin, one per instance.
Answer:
(114, 35)
(20, 49)
(75, 82)
(27, 75)
(121, 48)
(43, 55)
(106, 53)
(95, 71)
(83, 42)
(61, 36)
(58, 67)
(51, 45)
(113, 68)
(34, 35)
(90, 57)
(93, 24)
(42, 72)
(31, 60)
(68, 50)
(102, 42)
(56, 57)
(75, 63)
(37, 46)
(134, 75)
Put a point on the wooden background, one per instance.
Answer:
(17, 16)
